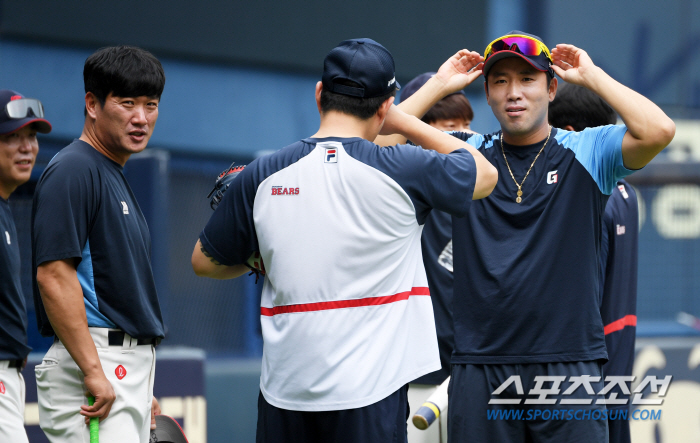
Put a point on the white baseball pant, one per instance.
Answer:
(61, 391)
(11, 404)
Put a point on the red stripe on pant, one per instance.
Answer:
(627, 320)
(326, 305)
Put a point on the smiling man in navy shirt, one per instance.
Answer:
(528, 294)
(526, 258)
(20, 120)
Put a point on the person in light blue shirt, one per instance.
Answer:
(526, 258)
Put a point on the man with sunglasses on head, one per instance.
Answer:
(20, 120)
(527, 285)
(94, 290)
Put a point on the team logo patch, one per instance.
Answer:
(2, 387)
(620, 229)
(280, 190)
(552, 177)
(120, 372)
(331, 155)
(623, 191)
(445, 258)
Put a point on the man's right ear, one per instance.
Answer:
(388, 102)
(91, 103)
(319, 89)
(384, 108)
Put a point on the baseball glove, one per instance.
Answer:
(256, 265)
(223, 181)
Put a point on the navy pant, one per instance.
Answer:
(619, 431)
(381, 422)
(472, 419)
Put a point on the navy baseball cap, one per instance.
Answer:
(529, 47)
(363, 61)
(417, 83)
(167, 431)
(18, 111)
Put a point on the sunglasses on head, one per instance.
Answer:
(521, 44)
(20, 108)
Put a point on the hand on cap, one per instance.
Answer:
(572, 64)
(460, 70)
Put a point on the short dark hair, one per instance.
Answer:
(454, 106)
(579, 108)
(362, 108)
(124, 71)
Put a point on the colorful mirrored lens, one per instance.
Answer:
(20, 108)
(522, 45)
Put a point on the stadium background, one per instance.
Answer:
(240, 78)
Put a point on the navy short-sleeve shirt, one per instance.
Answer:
(436, 244)
(527, 274)
(619, 257)
(83, 208)
(13, 312)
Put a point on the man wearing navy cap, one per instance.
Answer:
(345, 316)
(526, 259)
(20, 120)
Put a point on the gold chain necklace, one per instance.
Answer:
(519, 198)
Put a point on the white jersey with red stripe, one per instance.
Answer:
(346, 315)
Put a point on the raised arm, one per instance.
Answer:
(455, 74)
(408, 126)
(649, 129)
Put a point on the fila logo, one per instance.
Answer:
(120, 372)
(7, 236)
(620, 229)
(125, 208)
(2, 387)
(552, 177)
(331, 155)
(623, 191)
(279, 190)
